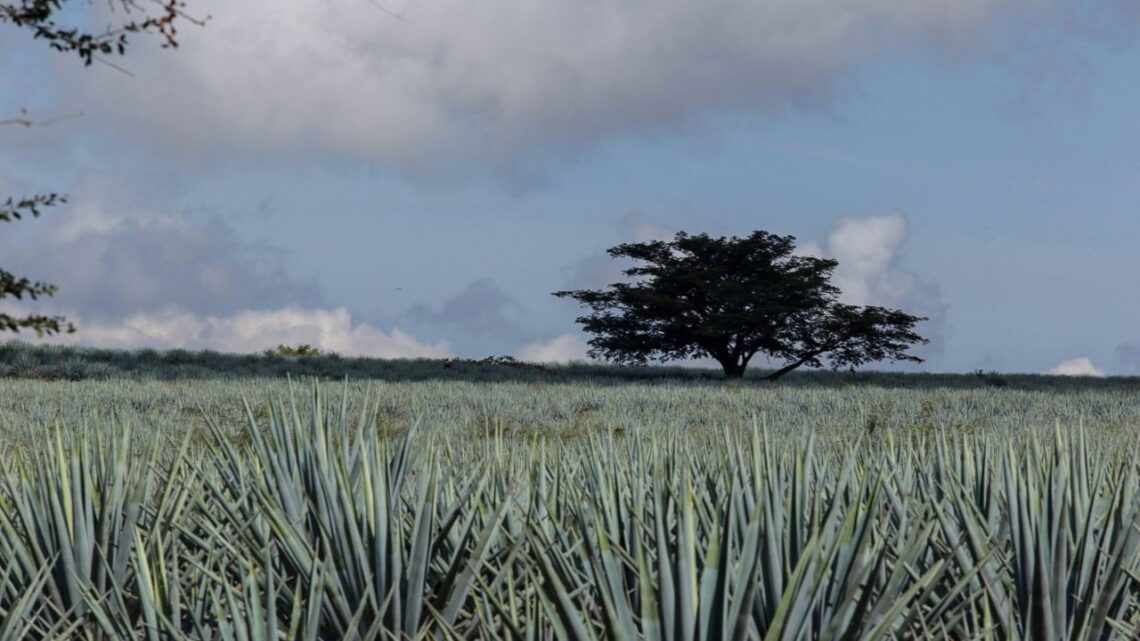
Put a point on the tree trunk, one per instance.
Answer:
(791, 366)
(783, 370)
(733, 370)
(804, 357)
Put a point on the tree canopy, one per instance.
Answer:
(43, 19)
(730, 299)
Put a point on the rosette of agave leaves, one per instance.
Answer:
(310, 524)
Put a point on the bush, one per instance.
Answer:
(993, 379)
(294, 352)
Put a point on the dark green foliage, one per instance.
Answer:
(495, 362)
(289, 351)
(16, 287)
(732, 298)
(58, 362)
(42, 18)
(13, 209)
(992, 379)
(10, 285)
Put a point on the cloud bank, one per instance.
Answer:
(131, 276)
(113, 257)
(418, 83)
(560, 349)
(1076, 367)
(252, 331)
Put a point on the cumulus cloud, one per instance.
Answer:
(868, 273)
(866, 249)
(482, 307)
(112, 257)
(252, 331)
(417, 82)
(560, 349)
(1127, 355)
(1076, 367)
(599, 268)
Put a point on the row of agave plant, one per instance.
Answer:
(310, 526)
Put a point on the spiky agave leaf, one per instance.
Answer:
(332, 496)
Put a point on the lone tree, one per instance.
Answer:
(732, 298)
(43, 19)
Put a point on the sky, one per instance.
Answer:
(407, 178)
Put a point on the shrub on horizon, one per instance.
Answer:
(289, 351)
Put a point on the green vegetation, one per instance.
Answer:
(730, 299)
(19, 360)
(13, 286)
(290, 351)
(562, 503)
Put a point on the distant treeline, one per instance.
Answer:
(21, 360)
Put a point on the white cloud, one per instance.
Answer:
(114, 256)
(484, 81)
(560, 349)
(1077, 367)
(866, 249)
(252, 331)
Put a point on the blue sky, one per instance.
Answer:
(329, 173)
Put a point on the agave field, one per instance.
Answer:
(673, 511)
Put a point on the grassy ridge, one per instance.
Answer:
(20, 360)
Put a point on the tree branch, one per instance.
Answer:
(25, 121)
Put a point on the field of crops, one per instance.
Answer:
(568, 509)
